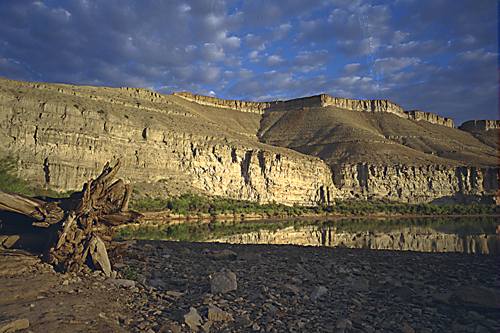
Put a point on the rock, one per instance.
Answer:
(99, 255)
(220, 255)
(343, 324)
(174, 294)
(360, 284)
(193, 319)
(10, 241)
(318, 292)
(14, 326)
(223, 282)
(477, 296)
(206, 326)
(216, 166)
(215, 314)
(407, 328)
(292, 288)
(170, 327)
(125, 283)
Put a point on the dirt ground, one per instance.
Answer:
(53, 302)
(169, 287)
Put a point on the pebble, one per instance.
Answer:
(14, 326)
(193, 319)
(318, 292)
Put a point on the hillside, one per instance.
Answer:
(303, 151)
(340, 136)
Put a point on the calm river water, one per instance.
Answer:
(471, 235)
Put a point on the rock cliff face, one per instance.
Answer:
(415, 183)
(408, 239)
(62, 138)
(243, 106)
(430, 117)
(322, 100)
(362, 105)
(480, 125)
(292, 154)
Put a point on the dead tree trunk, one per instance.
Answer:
(78, 227)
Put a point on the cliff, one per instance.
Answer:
(61, 138)
(430, 117)
(415, 183)
(361, 105)
(322, 100)
(480, 125)
(243, 106)
(63, 134)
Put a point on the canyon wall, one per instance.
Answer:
(362, 105)
(243, 106)
(430, 117)
(61, 142)
(415, 183)
(407, 239)
(480, 125)
(316, 101)
(63, 134)
(322, 100)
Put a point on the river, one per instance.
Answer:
(470, 235)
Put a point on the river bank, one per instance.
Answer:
(311, 289)
(169, 287)
(167, 216)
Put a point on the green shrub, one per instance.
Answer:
(9, 182)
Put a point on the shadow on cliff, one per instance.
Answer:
(464, 199)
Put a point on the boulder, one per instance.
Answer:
(223, 282)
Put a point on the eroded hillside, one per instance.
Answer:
(62, 135)
(303, 151)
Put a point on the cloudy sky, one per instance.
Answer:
(434, 55)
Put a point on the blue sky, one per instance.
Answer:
(433, 55)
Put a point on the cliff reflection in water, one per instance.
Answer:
(472, 235)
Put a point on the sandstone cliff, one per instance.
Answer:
(322, 100)
(62, 135)
(290, 152)
(430, 117)
(480, 125)
(415, 183)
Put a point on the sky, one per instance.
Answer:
(434, 55)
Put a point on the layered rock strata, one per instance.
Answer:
(62, 139)
(361, 105)
(480, 125)
(322, 100)
(243, 106)
(63, 134)
(415, 183)
(430, 117)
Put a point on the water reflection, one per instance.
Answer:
(471, 235)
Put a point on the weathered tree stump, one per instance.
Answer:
(76, 229)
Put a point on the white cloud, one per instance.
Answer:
(274, 60)
(352, 68)
(212, 52)
(479, 55)
(393, 64)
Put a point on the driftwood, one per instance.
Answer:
(75, 230)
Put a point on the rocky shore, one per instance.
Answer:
(207, 287)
